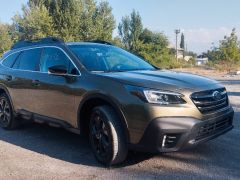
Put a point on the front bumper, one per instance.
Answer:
(176, 133)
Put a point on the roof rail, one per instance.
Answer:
(26, 43)
(100, 42)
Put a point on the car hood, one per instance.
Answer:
(164, 79)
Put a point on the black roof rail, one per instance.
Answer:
(100, 42)
(26, 43)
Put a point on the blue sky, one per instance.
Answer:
(202, 21)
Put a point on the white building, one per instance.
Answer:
(201, 60)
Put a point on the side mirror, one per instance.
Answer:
(57, 70)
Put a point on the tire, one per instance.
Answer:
(7, 118)
(106, 135)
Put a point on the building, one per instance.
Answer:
(201, 60)
(180, 53)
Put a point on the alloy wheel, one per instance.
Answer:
(5, 112)
(100, 137)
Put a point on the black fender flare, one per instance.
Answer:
(110, 101)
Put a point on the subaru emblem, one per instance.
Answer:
(216, 95)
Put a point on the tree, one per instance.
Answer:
(130, 30)
(104, 21)
(182, 43)
(124, 32)
(35, 23)
(229, 47)
(76, 20)
(5, 38)
(158, 39)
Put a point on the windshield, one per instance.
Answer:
(108, 58)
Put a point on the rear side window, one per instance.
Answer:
(28, 60)
(9, 61)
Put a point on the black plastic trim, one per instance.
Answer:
(186, 127)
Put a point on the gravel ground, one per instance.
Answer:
(41, 152)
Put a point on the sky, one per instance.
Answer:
(203, 22)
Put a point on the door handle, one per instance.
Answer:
(35, 82)
(8, 78)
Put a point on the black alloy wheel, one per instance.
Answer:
(7, 118)
(106, 136)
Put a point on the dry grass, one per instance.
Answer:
(204, 71)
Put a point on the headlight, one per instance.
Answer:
(156, 96)
(161, 97)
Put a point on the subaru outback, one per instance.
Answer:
(117, 99)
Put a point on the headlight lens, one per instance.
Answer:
(161, 97)
(156, 96)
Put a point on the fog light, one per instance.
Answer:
(170, 140)
(164, 139)
(192, 141)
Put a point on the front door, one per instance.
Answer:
(54, 94)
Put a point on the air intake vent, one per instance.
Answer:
(212, 128)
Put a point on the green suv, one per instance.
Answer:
(119, 100)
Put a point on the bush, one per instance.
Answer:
(228, 66)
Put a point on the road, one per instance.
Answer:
(41, 152)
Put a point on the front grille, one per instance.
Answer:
(207, 103)
(213, 128)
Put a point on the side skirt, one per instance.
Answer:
(47, 120)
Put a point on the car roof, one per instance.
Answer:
(51, 41)
(55, 44)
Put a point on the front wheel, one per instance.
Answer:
(7, 119)
(106, 136)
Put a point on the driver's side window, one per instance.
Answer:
(55, 57)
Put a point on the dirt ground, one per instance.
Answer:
(41, 152)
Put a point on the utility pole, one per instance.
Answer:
(177, 31)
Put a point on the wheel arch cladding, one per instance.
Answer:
(91, 101)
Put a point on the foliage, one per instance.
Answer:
(35, 23)
(5, 38)
(227, 55)
(152, 46)
(104, 22)
(226, 65)
(130, 30)
(72, 20)
(182, 43)
(82, 20)
(214, 55)
(229, 47)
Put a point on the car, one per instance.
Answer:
(120, 101)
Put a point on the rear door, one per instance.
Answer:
(54, 95)
(19, 77)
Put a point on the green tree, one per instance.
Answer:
(229, 47)
(76, 20)
(5, 38)
(124, 32)
(158, 39)
(182, 43)
(104, 21)
(130, 30)
(35, 23)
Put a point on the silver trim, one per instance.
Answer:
(26, 49)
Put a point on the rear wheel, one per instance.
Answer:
(7, 119)
(107, 136)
